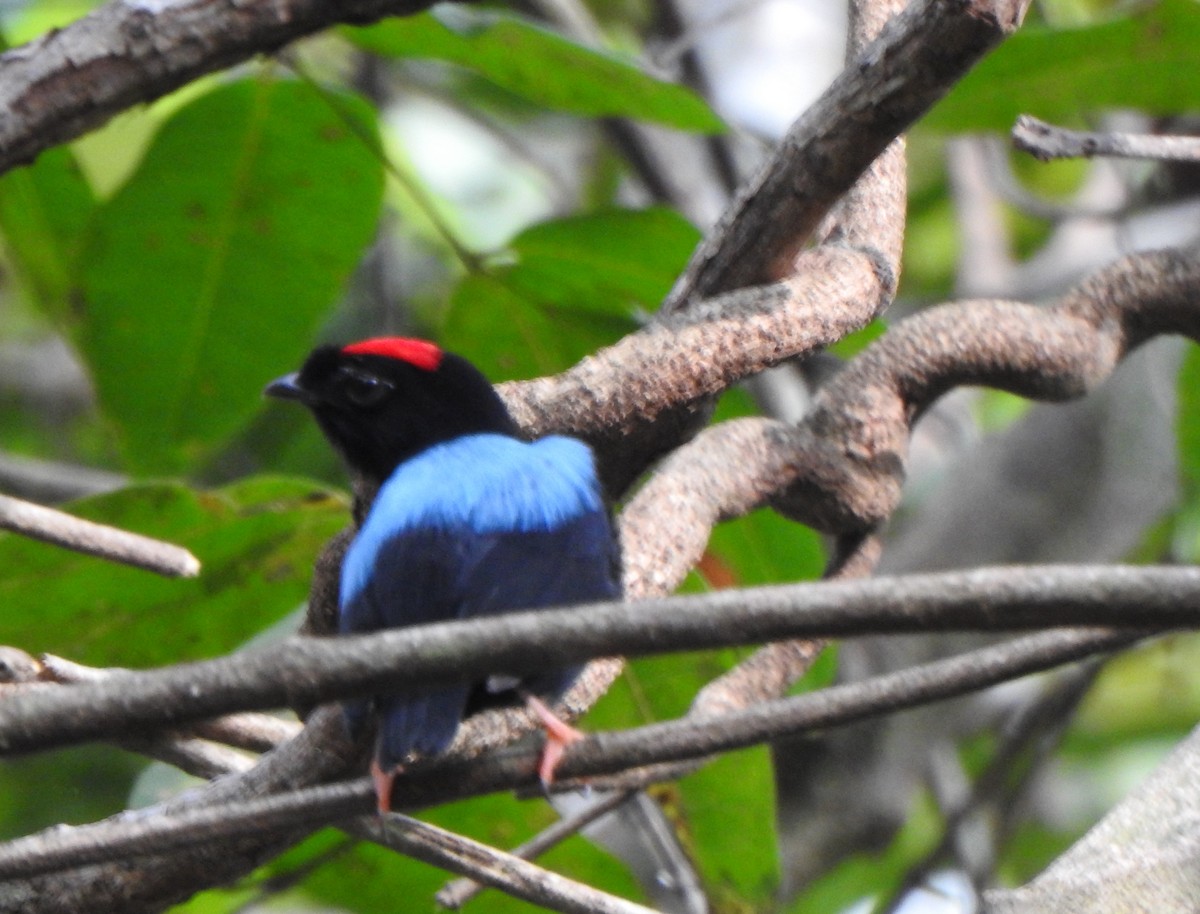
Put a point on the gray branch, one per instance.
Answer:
(100, 540)
(599, 754)
(304, 670)
(1046, 141)
(71, 80)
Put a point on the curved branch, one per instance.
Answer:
(845, 461)
(896, 80)
(813, 298)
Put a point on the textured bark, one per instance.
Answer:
(72, 80)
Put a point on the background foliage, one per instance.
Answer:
(162, 271)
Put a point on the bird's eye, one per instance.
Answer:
(363, 389)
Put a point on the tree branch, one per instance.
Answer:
(460, 891)
(507, 872)
(147, 884)
(1046, 141)
(639, 398)
(594, 755)
(100, 540)
(845, 462)
(302, 669)
(895, 80)
(71, 80)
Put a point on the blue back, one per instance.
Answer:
(479, 525)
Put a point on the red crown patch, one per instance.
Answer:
(421, 353)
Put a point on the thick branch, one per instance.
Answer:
(311, 669)
(818, 296)
(919, 56)
(842, 469)
(71, 80)
(594, 755)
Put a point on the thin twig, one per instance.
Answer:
(457, 893)
(100, 540)
(1050, 713)
(500, 870)
(1046, 141)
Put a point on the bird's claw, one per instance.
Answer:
(559, 735)
(383, 786)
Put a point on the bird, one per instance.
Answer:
(469, 520)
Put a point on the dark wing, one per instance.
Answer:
(411, 578)
(574, 563)
(434, 575)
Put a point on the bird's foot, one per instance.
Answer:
(559, 735)
(383, 786)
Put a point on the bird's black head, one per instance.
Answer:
(382, 401)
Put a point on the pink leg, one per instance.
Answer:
(559, 735)
(383, 786)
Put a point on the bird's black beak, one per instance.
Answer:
(288, 388)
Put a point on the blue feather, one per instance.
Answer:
(483, 483)
(479, 525)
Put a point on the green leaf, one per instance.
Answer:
(850, 346)
(1147, 693)
(80, 784)
(209, 272)
(1188, 420)
(1030, 849)
(762, 548)
(729, 814)
(576, 284)
(1145, 61)
(725, 811)
(256, 541)
(44, 209)
(540, 66)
